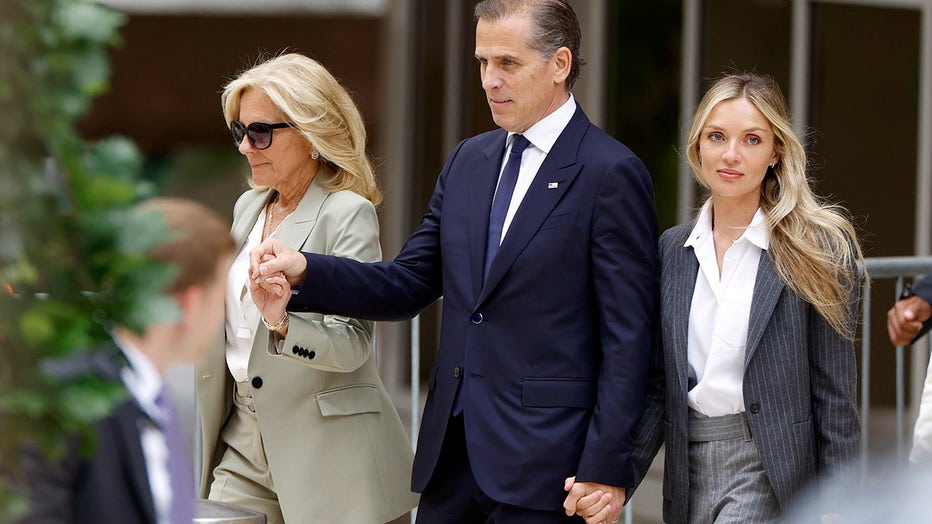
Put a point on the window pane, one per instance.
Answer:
(864, 113)
(746, 35)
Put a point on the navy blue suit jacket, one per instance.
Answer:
(109, 487)
(553, 346)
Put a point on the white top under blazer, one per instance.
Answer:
(719, 315)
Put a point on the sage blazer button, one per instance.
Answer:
(755, 408)
(257, 382)
(457, 372)
(476, 318)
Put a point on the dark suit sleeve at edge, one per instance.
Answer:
(51, 485)
(624, 240)
(923, 289)
(395, 290)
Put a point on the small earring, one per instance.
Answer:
(772, 164)
(315, 155)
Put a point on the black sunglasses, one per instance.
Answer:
(259, 133)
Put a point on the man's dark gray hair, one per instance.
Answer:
(555, 26)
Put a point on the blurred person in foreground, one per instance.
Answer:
(140, 470)
(908, 319)
(885, 492)
(296, 422)
(548, 287)
(753, 382)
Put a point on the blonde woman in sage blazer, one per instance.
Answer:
(296, 421)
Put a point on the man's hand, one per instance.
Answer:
(905, 319)
(272, 257)
(596, 503)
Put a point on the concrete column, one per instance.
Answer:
(395, 176)
(590, 88)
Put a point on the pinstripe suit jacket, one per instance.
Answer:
(799, 382)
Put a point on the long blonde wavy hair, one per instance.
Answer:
(321, 109)
(813, 243)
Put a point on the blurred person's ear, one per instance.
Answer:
(191, 303)
(187, 300)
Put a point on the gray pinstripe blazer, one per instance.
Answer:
(799, 383)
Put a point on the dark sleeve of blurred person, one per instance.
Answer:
(110, 485)
(923, 289)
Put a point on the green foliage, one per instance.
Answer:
(72, 258)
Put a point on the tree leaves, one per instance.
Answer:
(72, 255)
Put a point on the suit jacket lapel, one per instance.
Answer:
(561, 167)
(484, 179)
(767, 290)
(130, 421)
(305, 215)
(686, 269)
(244, 223)
(295, 229)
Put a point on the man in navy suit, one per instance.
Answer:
(541, 238)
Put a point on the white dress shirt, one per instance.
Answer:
(144, 383)
(541, 136)
(719, 315)
(242, 317)
(242, 314)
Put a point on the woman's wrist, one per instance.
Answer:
(282, 323)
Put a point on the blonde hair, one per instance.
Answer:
(321, 109)
(813, 243)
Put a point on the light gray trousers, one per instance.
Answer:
(727, 481)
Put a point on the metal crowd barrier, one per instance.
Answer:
(884, 268)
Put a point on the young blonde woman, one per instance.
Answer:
(753, 386)
(296, 422)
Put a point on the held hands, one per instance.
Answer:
(271, 295)
(272, 257)
(905, 319)
(596, 503)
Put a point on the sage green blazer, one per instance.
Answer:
(335, 445)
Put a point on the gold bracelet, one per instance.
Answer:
(277, 327)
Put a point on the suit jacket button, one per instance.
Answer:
(477, 318)
(295, 350)
(311, 354)
(755, 408)
(257, 382)
(457, 371)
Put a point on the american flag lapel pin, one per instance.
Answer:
(553, 185)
